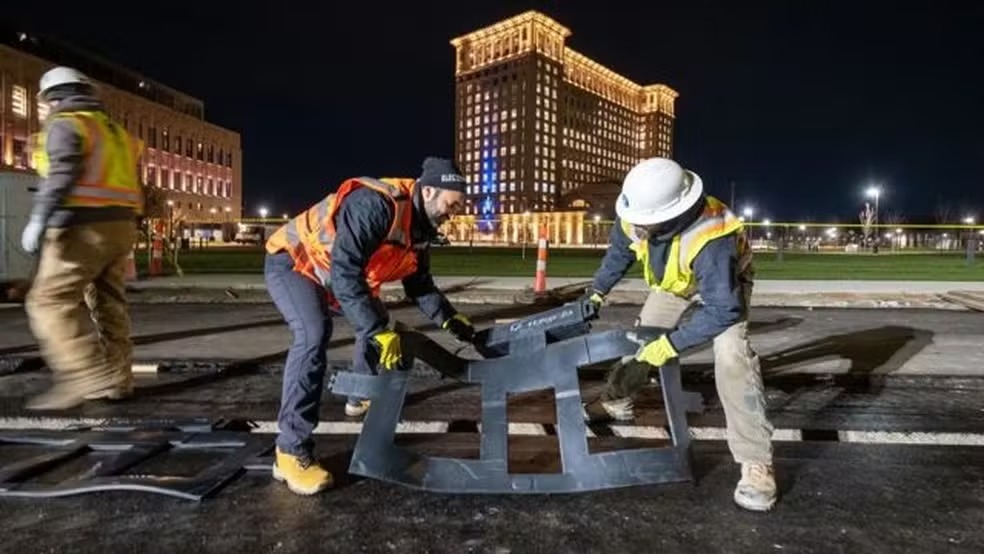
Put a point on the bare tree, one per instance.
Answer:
(867, 218)
(894, 218)
(156, 211)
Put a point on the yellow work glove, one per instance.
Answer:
(595, 297)
(657, 352)
(389, 348)
(460, 328)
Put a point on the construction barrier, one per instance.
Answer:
(540, 284)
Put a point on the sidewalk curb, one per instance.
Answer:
(258, 295)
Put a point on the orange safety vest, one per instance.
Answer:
(308, 238)
(109, 177)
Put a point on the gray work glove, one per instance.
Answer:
(32, 235)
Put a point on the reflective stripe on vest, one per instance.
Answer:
(715, 221)
(309, 237)
(109, 177)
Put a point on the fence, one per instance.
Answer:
(805, 237)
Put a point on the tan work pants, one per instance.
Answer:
(737, 376)
(84, 263)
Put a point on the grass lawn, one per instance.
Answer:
(501, 262)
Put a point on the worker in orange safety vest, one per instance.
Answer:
(338, 254)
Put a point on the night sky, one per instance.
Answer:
(800, 103)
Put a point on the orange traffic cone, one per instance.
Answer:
(131, 268)
(540, 283)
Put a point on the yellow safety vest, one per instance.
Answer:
(715, 221)
(110, 174)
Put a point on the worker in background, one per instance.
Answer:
(338, 254)
(690, 244)
(83, 222)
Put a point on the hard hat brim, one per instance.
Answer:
(653, 217)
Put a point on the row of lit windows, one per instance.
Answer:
(19, 107)
(481, 100)
(162, 140)
(570, 166)
(476, 143)
(586, 150)
(501, 115)
(188, 183)
(491, 106)
(480, 131)
(547, 67)
(607, 142)
(491, 50)
(503, 152)
(513, 208)
(477, 121)
(19, 102)
(511, 186)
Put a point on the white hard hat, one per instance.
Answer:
(61, 76)
(657, 190)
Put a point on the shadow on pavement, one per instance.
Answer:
(881, 350)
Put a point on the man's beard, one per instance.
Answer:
(433, 213)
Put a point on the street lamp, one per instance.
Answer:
(285, 217)
(263, 212)
(969, 220)
(874, 192)
(747, 213)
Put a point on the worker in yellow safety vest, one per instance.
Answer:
(689, 244)
(83, 226)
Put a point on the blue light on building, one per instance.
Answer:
(488, 206)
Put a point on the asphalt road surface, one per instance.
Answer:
(837, 496)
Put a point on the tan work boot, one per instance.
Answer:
(71, 393)
(757, 489)
(302, 474)
(121, 391)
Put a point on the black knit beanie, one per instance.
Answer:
(443, 174)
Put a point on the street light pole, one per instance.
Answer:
(748, 212)
(875, 192)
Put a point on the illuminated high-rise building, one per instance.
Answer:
(535, 119)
